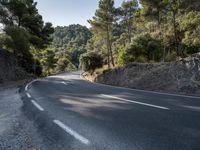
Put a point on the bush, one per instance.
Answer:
(171, 57)
(62, 64)
(90, 61)
(122, 57)
(141, 59)
(144, 48)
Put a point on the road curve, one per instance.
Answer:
(77, 114)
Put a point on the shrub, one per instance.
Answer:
(90, 61)
(171, 57)
(143, 48)
(122, 58)
(141, 59)
(62, 64)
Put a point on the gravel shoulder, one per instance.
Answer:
(17, 132)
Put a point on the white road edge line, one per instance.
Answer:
(72, 132)
(136, 102)
(28, 95)
(26, 87)
(37, 105)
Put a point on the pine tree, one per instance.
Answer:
(127, 12)
(102, 22)
(24, 14)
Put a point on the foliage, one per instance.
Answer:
(24, 14)
(122, 57)
(71, 39)
(24, 29)
(64, 64)
(170, 57)
(90, 61)
(48, 61)
(143, 45)
(159, 30)
(127, 10)
(18, 39)
(102, 26)
(191, 26)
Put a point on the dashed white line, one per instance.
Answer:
(28, 95)
(72, 132)
(64, 82)
(37, 105)
(136, 102)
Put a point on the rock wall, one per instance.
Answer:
(181, 76)
(9, 70)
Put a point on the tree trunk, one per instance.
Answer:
(175, 33)
(108, 46)
(111, 54)
(129, 32)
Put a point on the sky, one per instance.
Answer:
(66, 12)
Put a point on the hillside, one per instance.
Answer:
(181, 76)
(71, 40)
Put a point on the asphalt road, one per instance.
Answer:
(98, 117)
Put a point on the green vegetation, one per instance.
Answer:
(24, 30)
(39, 48)
(162, 30)
(71, 40)
(91, 61)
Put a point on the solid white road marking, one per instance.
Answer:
(72, 132)
(37, 105)
(28, 95)
(136, 102)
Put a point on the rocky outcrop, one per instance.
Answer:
(182, 76)
(9, 70)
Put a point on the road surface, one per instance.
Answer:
(86, 116)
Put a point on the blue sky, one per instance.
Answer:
(65, 12)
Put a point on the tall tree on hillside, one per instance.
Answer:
(48, 60)
(102, 23)
(154, 9)
(127, 12)
(191, 28)
(174, 6)
(24, 14)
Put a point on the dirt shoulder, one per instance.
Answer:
(16, 131)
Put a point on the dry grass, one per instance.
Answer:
(91, 76)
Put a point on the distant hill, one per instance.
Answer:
(71, 39)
